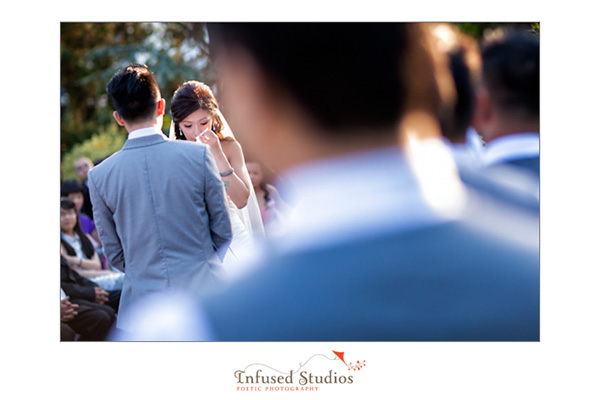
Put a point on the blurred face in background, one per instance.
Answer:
(82, 166)
(77, 199)
(68, 220)
(255, 172)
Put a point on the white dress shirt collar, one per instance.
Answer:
(352, 196)
(512, 147)
(465, 155)
(138, 133)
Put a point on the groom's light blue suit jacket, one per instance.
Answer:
(160, 210)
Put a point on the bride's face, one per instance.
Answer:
(195, 123)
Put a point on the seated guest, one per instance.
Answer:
(82, 166)
(73, 190)
(82, 290)
(77, 249)
(89, 322)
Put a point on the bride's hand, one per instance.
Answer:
(212, 140)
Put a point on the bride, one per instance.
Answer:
(196, 117)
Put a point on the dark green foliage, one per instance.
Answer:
(478, 29)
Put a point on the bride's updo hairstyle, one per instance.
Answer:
(192, 96)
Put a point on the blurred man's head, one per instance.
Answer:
(82, 165)
(510, 94)
(315, 84)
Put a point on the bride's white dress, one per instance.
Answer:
(242, 241)
(247, 229)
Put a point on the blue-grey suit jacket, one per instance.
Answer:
(447, 282)
(160, 210)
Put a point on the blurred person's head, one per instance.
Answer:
(509, 97)
(255, 171)
(304, 91)
(136, 98)
(82, 166)
(194, 109)
(69, 219)
(69, 224)
(73, 190)
(465, 65)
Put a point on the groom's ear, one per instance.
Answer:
(118, 118)
(161, 107)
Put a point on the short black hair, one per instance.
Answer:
(345, 75)
(134, 92)
(511, 73)
(70, 186)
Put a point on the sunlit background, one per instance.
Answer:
(90, 53)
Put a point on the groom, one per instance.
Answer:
(159, 205)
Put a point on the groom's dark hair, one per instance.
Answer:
(345, 75)
(134, 92)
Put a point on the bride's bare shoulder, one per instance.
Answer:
(230, 145)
